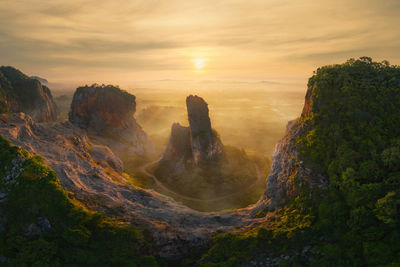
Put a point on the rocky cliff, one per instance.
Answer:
(107, 113)
(205, 143)
(198, 143)
(288, 175)
(20, 93)
(179, 146)
(92, 174)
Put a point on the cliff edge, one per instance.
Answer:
(107, 113)
(20, 93)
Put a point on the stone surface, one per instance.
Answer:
(205, 143)
(65, 147)
(20, 93)
(106, 112)
(102, 109)
(176, 229)
(197, 143)
(287, 167)
(179, 145)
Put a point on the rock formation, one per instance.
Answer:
(91, 174)
(205, 143)
(107, 113)
(198, 143)
(288, 174)
(20, 93)
(179, 146)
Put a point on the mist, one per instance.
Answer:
(253, 119)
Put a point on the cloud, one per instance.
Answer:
(241, 40)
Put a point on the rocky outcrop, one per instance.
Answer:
(205, 143)
(92, 179)
(288, 175)
(107, 113)
(198, 143)
(179, 146)
(20, 93)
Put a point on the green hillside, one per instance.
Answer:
(41, 226)
(352, 137)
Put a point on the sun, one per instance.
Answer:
(199, 63)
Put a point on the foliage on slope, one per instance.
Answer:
(355, 141)
(72, 236)
(352, 137)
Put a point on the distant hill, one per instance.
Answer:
(20, 93)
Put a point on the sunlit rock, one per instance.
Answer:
(106, 112)
(198, 143)
(20, 93)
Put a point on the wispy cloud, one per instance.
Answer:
(240, 40)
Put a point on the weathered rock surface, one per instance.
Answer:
(205, 143)
(20, 93)
(40, 79)
(106, 112)
(67, 150)
(179, 145)
(197, 143)
(288, 175)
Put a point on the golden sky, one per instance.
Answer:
(155, 42)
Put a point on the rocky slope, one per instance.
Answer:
(92, 174)
(20, 93)
(107, 113)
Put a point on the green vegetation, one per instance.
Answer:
(76, 236)
(354, 141)
(351, 136)
(111, 89)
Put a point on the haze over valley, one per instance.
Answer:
(199, 133)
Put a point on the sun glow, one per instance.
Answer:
(199, 63)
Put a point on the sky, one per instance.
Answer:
(172, 43)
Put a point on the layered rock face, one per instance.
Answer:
(179, 146)
(92, 174)
(107, 112)
(197, 143)
(102, 109)
(205, 144)
(20, 93)
(288, 175)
